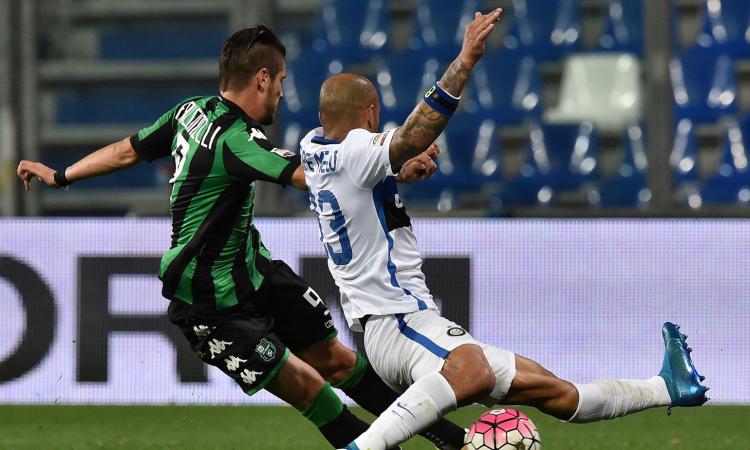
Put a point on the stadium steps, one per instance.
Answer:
(100, 11)
(86, 135)
(85, 66)
(59, 73)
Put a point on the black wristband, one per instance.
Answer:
(60, 179)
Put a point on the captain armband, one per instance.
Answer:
(441, 101)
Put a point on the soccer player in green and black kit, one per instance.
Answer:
(241, 311)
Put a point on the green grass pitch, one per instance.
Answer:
(279, 428)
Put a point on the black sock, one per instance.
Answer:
(342, 430)
(371, 393)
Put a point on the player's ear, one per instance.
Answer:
(262, 79)
(372, 118)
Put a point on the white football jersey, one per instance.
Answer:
(372, 250)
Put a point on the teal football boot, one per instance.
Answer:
(683, 381)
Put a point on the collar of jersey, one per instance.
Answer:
(323, 141)
(235, 109)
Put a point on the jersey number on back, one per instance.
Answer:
(337, 225)
(180, 155)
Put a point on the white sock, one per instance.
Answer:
(417, 408)
(607, 399)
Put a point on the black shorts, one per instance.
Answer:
(250, 345)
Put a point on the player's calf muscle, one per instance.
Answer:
(296, 383)
(331, 359)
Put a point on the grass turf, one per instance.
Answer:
(63, 427)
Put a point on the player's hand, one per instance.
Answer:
(421, 167)
(476, 34)
(27, 170)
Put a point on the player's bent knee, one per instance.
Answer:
(469, 374)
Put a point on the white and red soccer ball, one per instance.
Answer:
(503, 429)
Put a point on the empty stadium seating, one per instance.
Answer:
(558, 158)
(549, 30)
(725, 27)
(627, 188)
(298, 110)
(732, 174)
(118, 106)
(352, 31)
(402, 79)
(623, 27)
(508, 90)
(704, 85)
(163, 41)
(438, 26)
(469, 163)
(684, 156)
(507, 85)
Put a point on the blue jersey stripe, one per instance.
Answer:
(377, 197)
(420, 339)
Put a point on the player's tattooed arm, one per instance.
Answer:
(425, 124)
(113, 157)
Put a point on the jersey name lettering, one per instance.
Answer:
(197, 125)
(323, 161)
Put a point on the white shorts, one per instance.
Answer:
(403, 348)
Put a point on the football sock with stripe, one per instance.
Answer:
(365, 387)
(418, 407)
(607, 399)
(334, 420)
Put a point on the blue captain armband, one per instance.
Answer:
(441, 101)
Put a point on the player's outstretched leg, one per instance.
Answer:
(350, 372)
(677, 385)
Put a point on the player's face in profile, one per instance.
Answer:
(275, 94)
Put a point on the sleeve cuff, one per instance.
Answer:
(138, 148)
(386, 154)
(285, 177)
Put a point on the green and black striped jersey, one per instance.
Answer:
(216, 259)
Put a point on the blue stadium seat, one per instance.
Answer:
(726, 27)
(732, 175)
(402, 79)
(623, 27)
(704, 85)
(547, 29)
(164, 41)
(507, 85)
(559, 158)
(628, 187)
(110, 106)
(298, 111)
(439, 26)
(684, 156)
(352, 31)
(304, 76)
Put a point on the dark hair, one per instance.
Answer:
(245, 53)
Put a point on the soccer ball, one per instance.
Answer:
(503, 429)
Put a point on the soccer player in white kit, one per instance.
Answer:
(373, 256)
